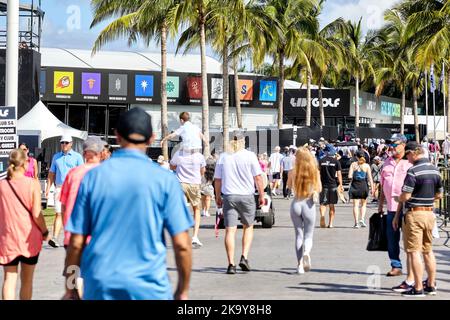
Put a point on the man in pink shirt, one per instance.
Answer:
(92, 150)
(393, 174)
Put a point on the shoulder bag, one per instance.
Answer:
(23, 204)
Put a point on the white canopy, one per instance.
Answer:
(40, 120)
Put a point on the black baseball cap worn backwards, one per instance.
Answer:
(135, 121)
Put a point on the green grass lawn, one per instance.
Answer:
(49, 215)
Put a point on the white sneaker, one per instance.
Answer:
(207, 214)
(356, 226)
(362, 224)
(300, 269)
(196, 242)
(306, 262)
(274, 193)
(203, 214)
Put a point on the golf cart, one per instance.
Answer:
(264, 214)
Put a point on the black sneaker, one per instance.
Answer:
(231, 269)
(244, 264)
(413, 293)
(403, 287)
(53, 243)
(430, 291)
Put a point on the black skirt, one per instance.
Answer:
(359, 189)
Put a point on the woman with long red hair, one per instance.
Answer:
(305, 184)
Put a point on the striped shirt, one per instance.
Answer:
(423, 181)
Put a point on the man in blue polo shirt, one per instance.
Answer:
(125, 205)
(62, 163)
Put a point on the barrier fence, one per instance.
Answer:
(444, 203)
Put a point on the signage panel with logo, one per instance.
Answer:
(78, 85)
(217, 89)
(335, 102)
(143, 88)
(268, 91)
(8, 137)
(63, 83)
(173, 88)
(245, 91)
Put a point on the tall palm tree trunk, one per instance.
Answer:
(357, 106)
(448, 100)
(308, 98)
(205, 106)
(321, 110)
(402, 112)
(237, 99)
(416, 117)
(226, 98)
(280, 89)
(164, 116)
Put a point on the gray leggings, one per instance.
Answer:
(303, 215)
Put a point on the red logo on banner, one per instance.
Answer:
(194, 87)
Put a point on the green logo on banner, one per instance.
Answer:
(173, 87)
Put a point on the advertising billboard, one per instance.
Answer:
(78, 85)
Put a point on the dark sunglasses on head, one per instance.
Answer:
(64, 142)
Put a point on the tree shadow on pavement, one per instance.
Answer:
(343, 288)
(334, 271)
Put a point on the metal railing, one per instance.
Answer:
(444, 203)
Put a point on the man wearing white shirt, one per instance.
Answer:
(237, 172)
(446, 149)
(190, 167)
(190, 134)
(275, 169)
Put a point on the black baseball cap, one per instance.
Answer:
(412, 146)
(135, 121)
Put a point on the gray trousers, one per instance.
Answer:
(303, 216)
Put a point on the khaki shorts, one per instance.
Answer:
(192, 193)
(418, 231)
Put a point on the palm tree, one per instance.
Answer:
(428, 31)
(394, 66)
(359, 54)
(250, 38)
(333, 54)
(291, 16)
(146, 19)
(195, 13)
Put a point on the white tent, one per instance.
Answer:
(39, 120)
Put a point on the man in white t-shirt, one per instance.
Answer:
(236, 174)
(275, 168)
(446, 149)
(190, 134)
(190, 167)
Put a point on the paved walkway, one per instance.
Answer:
(341, 267)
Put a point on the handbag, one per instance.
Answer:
(23, 204)
(377, 233)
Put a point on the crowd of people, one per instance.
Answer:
(114, 218)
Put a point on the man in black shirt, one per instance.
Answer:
(331, 178)
(422, 186)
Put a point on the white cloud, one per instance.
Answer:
(371, 11)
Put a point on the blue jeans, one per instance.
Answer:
(393, 239)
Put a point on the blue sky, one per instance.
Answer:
(67, 22)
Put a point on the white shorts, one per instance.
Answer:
(57, 196)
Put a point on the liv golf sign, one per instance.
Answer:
(336, 102)
(8, 136)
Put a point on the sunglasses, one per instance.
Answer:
(65, 142)
(395, 145)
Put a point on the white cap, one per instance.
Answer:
(66, 138)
